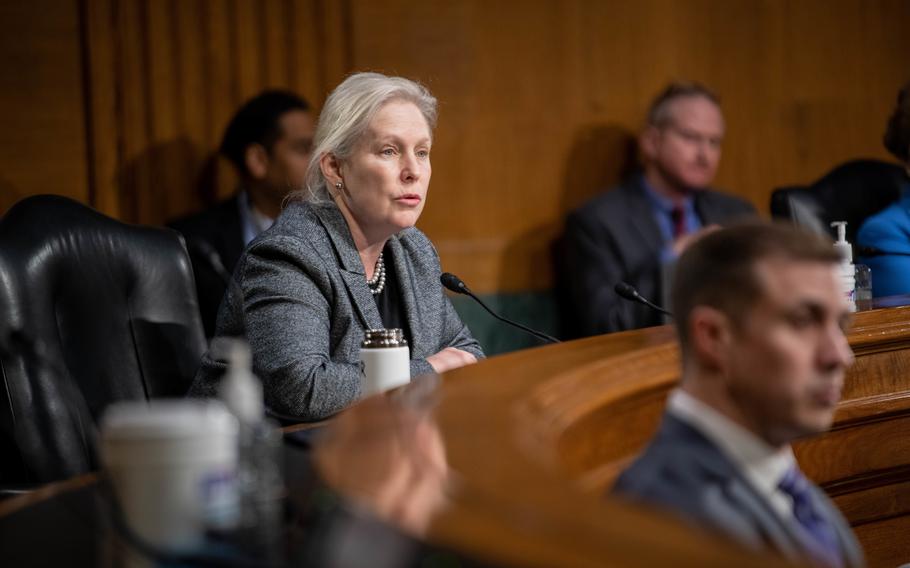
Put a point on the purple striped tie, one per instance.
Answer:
(821, 543)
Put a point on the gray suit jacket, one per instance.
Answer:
(682, 471)
(303, 304)
(615, 238)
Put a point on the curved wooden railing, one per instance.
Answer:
(537, 437)
(534, 439)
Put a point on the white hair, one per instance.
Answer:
(347, 114)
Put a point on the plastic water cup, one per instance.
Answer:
(863, 287)
(172, 466)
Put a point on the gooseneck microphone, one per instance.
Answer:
(457, 285)
(205, 251)
(628, 292)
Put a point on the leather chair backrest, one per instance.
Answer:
(850, 192)
(92, 311)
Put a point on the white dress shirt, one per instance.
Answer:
(252, 221)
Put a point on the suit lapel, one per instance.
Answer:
(738, 493)
(712, 211)
(362, 299)
(641, 216)
(850, 548)
(778, 533)
(351, 267)
(705, 210)
(786, 535)
(407, 286)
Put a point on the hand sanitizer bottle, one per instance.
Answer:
(259, 480)
(847, 270)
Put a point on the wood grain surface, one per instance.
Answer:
(533, 439)
(122, 103)
(566, 419)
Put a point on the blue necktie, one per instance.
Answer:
(821, 543)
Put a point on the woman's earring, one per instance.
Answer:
(339, 185)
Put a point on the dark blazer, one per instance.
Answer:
(306, 304)
(218, 229)
(683, 471)
(615, 238)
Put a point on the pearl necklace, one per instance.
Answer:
(377, 282)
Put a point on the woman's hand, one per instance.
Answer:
(450, 358)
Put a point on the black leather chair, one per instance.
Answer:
(92, 311)
(850, 192)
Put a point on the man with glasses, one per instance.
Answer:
(635, 232)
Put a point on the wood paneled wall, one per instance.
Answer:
(43, 144)
(121, 103)
(165, 76)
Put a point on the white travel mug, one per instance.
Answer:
(386, 361)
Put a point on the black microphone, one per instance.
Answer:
(202, 249)
(628, 292)
(457, 285)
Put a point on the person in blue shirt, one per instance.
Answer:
(887, 233)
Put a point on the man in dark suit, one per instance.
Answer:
(268, 141)
(635, 232)
(760, 316)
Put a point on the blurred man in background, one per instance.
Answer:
(268, 141)
(634, 232)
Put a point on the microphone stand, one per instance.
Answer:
(628, 292)
(455, 284)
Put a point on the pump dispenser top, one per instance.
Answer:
(841, 245)
(240, 390)
(258, 479)
(847, 270)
